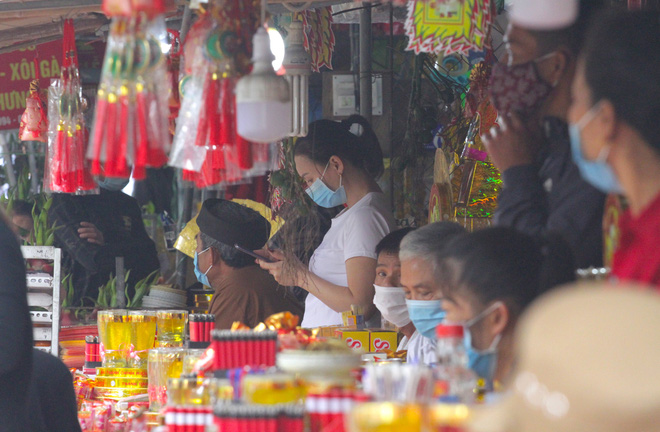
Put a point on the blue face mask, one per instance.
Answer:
(113, 184)
(598, 173)
(201, 277)
(322, 195)
(482, 362)
(426, 315)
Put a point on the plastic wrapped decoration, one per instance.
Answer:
(128, 8)
(131, 127)
(66, 169)
(206, 145)
(34, 121)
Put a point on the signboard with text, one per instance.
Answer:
(17, 69)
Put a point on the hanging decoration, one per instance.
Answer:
(173, 67)
(66, 169)
(34, 121)
(319, 37)
(456, 26)
(131, 129)
(131, 8)
(216, 54)
(297, 64)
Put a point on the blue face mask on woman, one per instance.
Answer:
(322, 195)
(482, 362)
(598, 173)
(202, 277)
(426, 315)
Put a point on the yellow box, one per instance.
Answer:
(356, 339)
(328, 331)
(381, 340)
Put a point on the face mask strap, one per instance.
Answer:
(469, 323)
(325, 169)
(604, 154)
(211, 266)
(589, 115)
(542, 58)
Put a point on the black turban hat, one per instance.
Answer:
(231, 223)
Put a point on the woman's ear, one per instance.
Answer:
(337, 163)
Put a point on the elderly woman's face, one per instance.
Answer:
(418, 280)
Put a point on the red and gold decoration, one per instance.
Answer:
(319, 38)
(216, 54)
(448, 27)
(131, 129)
(66, 169)
(34, 121)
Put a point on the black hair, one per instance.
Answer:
(22, 208)
(570, 37)
(327, 138)
(229, 254)
(391, 242)
(622, 65)
(504, 264)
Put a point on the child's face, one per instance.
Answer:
(388, 270)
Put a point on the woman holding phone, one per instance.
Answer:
(339, 163)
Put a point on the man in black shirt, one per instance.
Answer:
(95, 229)
(542, 187)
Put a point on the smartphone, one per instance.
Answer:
(253, 254)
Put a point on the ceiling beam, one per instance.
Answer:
(17, 38)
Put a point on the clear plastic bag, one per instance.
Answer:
(131, 129)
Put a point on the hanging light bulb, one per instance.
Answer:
(297, 64)
(263, 102)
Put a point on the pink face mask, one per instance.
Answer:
(518, 88)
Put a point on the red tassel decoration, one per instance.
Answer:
(67, 169)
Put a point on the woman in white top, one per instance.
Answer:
(339, 163)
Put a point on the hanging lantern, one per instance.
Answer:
(297, 64)
(263, 102)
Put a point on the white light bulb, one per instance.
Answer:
(263, 103)
(277, 47)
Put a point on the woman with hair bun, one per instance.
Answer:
(339, 163)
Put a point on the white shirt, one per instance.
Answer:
(421, 350)
(354, 232)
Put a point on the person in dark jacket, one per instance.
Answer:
(52, 402)
(15, 334)
(95, 229)
(542, 187)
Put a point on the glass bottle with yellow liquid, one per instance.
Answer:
(171, 327)
(115, 334)
(143, 336)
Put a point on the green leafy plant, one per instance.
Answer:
(141, 289)
(20, 191)
(44, 234)
(107, 297)
(67, 286)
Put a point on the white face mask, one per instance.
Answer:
(391, 302)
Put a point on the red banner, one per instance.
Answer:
(17, 69)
